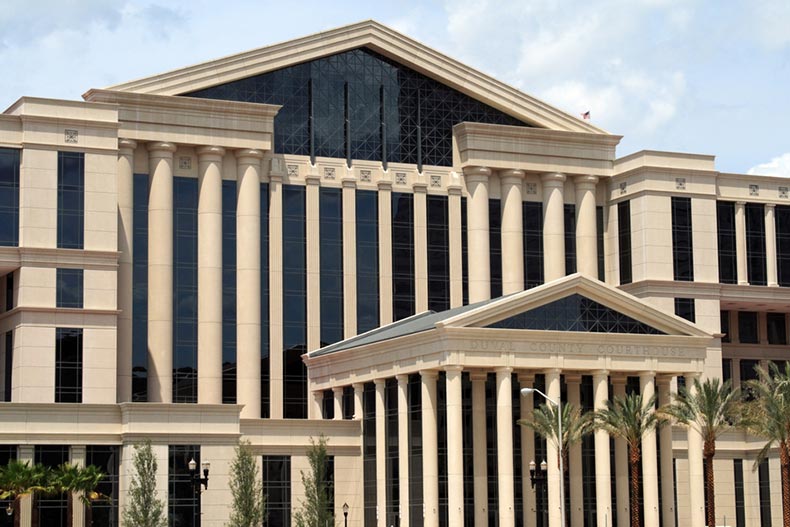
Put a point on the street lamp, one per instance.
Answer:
(558, 404)
(10, 509)
(197, 481)
(537, 477)
(345, 514)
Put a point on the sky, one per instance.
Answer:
(698, 76)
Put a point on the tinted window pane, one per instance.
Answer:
(747, 327)
(438, 254)
(228, 292)
(9, 197)
(725, 221)
(682, 247)
(265, 371)
(755, 243)
(104, 512)
(464, 253)
(140, 290)
(71, 199)
(185, 202)
(402, 255)
(68, 365)
(684, 307)
(532, 216)
(331, 255)
(52, 509)
(725, 325)
(495, 245)
(570, 238)
(777, 329)
(8, 367)
(624, 240)
(69, 288)
(294, 302)
(600, 233)
(367, 211)
(783, 244)
(277, 489)
(183, 505)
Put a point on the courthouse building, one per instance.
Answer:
(351, 234)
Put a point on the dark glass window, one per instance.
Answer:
(402, 255)
(392, 473)
(367, 205)
(7, 454)
(228, 292)
(532, 216)
(441, 443)
(624, 240)
(140, 290)
(362, 105)
(294, 302)
(726, 370)
(777, 329)
(492, 467)
(464, 254)
(684, 308)
(277, 489)
(783, 244)
(415, 451)
(68, 365)
(682, 246)
(755, 243)
(265, 370)
(724, 317)
(438, 253)
(728, 260)
(69, 287)
(52, 509)
(495, 245)
(740, 503)
(9, 291)
(764, 479)
(185, 250)
(369, 452)
(104, 512)
(71, 200)
(183, 505)
(748, 332)
(9, 197)
(8, 366)
(331, 227)
(599, 233)
(748, 370)
(575, 313)
(570, 238)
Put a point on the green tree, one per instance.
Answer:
(575, 425)
(314, 510)
(249, 504)
(76, 482)
(628, 418)
(144, 508)
(19, 479)
(710, 408)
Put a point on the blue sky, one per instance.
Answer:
(708, 77)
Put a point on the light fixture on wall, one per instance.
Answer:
(10, 509)
(345, 514)
(197, 481)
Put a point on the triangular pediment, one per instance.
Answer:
(375, 37)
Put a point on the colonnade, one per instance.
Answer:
(649, 383)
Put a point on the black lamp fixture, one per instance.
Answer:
(10, 509)
(534, 475)
(197, 481)
(345, 514)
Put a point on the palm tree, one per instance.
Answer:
(711, 409)
(575, 425)
(79, 482)
(767, 415)
(628, 418)
(19, 479)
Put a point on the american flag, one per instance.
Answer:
(586, 115)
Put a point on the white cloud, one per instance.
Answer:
(778, 166)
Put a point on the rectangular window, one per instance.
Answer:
(330, 206)
(570, 238)
(777, 328)
(748, 370)
(684, 308)
(724, 316)
(682, 246)
(52, 509)
(764, 479)
(728, 261)
(228, 292)
(402, 255)
(277, 489)
(624, 240)
(183, 504)
(464, 254)
(68, 365)
(415, 450)
(438, 253)
(755, 243)
(9, 291)
(294, 302)
(601, 256)
(369, 452)
(7, 454)
(106, 458)
(8, 366)
(69, 288)
(265, 387)
(740, 502)
(367, 205)
(726, 370)
(140, 290)
(532, 225)
(391, 448)
(495, 245)
(71, 200)
(783, 244)
(185, 252)
(748, 327)
(9, 197)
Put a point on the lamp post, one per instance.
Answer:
(558, 404)
(197, 481)
(345, 514)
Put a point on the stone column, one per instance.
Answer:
(275, 296)
(337, 400)
(455, 243)
(349, 257)
(477, 233)
(125, 263)
(573, 390)
(25, 504)
(430, 450)
(313, 247)
(649, 457)
(359, 401)
(553, 226)
(455, 447)
(553, 390)
(667, 472)
(527, 451)
(696, 471)
(403, 449)
(479, 446)
(160, 272)
(622, 488)
(420, 247)
(381, 452)
(385, 251)
(603, 476)
(735, 371)
(512, 231)
(504, 444)
(248, 282)
(77, 456)
(315, 406)
(770, 244)
(740, 242)
(209, 343)
(586, 226)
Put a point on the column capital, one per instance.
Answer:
(511, 176)
(663, 380)
(526, 377)
(478, 375)
(429, 374)
(249, 155)
(549, 371)
(358, 386)
(769, 206)
(384, 184)
(573, 378)
(585, 181)
(691, 376)
(126, 144)
(164, 148)
(503, 370)
(402, 378)
(419, 187)
(740, 203)
(312, 180)
(454, 368)
(338, 389)
(553, 179)
(600, 373)
(380, 382)
(618, 379)
(647, 374)
(349, 182)
(209, 152)
(482, 172)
